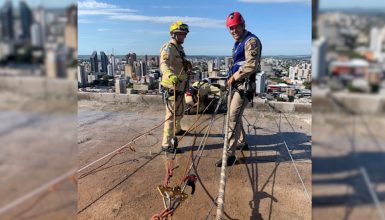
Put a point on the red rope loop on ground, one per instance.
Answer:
(165, 214)
(169, 173)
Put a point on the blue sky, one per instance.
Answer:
(284, 26)
(346, 4)
(46, 3)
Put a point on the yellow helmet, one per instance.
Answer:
(178, 26)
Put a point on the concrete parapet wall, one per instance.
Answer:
(157, 100)
(39, 87)
(121, 98)
(358, 103)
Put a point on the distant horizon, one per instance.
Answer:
(299, 55)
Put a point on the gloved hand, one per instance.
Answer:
(174, 79)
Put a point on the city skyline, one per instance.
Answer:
(142, 28)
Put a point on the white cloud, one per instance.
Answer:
(191, 21)
(84, 21)
(83, 12)
(92, 4)
(103, 29)
(181, 7)
(276, 1)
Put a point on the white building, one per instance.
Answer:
(36, 35)
(110, 71)
(318, 58)
(260, 82)
(112, 62)
(6, 48)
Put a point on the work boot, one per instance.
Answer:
(171, 150)
(182, 132)
(231, 160)
(243, 146)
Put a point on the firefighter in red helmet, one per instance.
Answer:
(241, 78)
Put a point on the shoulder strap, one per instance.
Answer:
(181, 53)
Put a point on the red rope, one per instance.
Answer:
(165, 214)
(169, 173)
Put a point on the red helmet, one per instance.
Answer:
(233, 19)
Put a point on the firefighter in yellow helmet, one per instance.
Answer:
(175, 69)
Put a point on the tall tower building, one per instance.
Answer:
(36, 35)
(228, 63)
(374, 39)
(109, 70)
(40, 18)
(217, 63)
(6, 18)
(314, 17)
(137, 69)
(143, 69)
(128, 71)
(112, 62)
(131, 58)
(210, 66)
(260, 83)
(94, 62)
(55, 62)
(26, 20)
(71, 30)
(82, 76)
(104, 61)
(318, 58)
(292, 73)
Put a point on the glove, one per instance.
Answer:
(173, 79)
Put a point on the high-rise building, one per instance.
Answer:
(143, 69)
(109, 70)
(228, 63)
(71, 30)
(26, 20)
(120, 86)
(157, 61)
(112, 62)
(260, 83)
(377, 38)
(7, 48)
(210, 66)
(131, 58)
(82, 76)
(375, 43)
(55, 62)
(40, 17)
(94, 62)
(137, 70)
(292, 72)
(128, 71)
(36, 35)
(217, 63)
(104, 61)
(314, 16)
(318, 58)
(6, 18)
